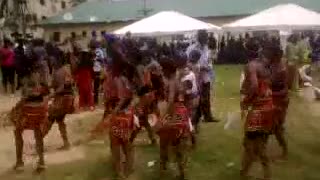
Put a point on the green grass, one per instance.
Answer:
(217, 147)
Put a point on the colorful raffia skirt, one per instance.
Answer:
(30, 116)
(62, 105)
(260, 120)
(121, 127)
(176, 126)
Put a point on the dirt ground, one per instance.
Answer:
(52, 141)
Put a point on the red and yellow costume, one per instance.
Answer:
(176, 126)
(260, 111)
(63, 104)
(121, 127)
(174, 129)
(31, 113)
(110, 92)
(258, 126)
(147, 105)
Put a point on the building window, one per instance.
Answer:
(28, 18)
(84, 33)
(43, 2)
(56, 36)
(73, 35)
(34, 18)
(63, 4)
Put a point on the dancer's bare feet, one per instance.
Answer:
(40, 169)
(64, 147)
(18, 166)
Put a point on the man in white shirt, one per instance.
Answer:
(206, 75)
(98, 63)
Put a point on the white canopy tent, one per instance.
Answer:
(166, 23)
(285, 17)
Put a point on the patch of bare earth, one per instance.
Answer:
(52, 142)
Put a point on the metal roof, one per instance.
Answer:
(105, 11)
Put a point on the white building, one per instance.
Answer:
(47, 8)
(36, 11)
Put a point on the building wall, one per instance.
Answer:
(48, 8)
(38, 10)
(66, 30)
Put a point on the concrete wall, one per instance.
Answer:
(66, 30)
(34, 7)
(50, 7)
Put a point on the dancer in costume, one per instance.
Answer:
(150, 95)
(279, 74)
(175, 127)
(63, 99)
(257, 100)
(31, 113)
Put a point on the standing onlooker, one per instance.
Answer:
(294, 57)
(94, 38)
(206, 75)
(41, 56)
(7, 66)
(315, 54)
(54, 55)
(21, 64)
(97, 69)
(84, 79)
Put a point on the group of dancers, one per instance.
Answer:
(136, 81)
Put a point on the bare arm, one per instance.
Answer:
(122, 95)
(171, 96)
(253, 81)
(285, 89)
(59, 83)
